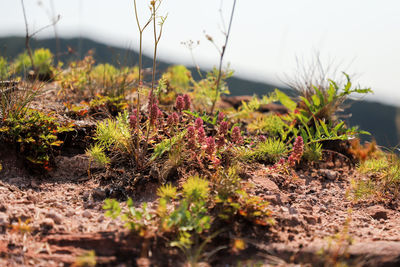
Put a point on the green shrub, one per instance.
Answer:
(36, 135)
(43, 60)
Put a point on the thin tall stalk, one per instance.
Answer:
(141, 30)
(222, 53)
(27, 36)
(157, 38)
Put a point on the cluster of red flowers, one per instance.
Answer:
(298, 149)
(183, 102)
(236, 136)
(294, 157)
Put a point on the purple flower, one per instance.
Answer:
(191, 136)
(221, 117)
(198, 123)
(297, 152)
(132, 121)
(201, 135)
(187, 101)
(210, 145)
(179, 104)
(236, 135)
(220, 141)
(173, 119)
(154, 113)
(223, 128)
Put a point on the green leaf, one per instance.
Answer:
(285, 100)
(325, 128)
(316, 100)
(338, 127)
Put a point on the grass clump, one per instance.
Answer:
(382, 180)
(271, 125)
(268, 151)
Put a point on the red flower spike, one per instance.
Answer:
(186, 101)
(179, 104)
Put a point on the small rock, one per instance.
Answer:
(70, 213)
(57, 218)
(292, 210)
(98, 194)
(87, 214)
(310, 219)
(3, 208)
(47, 224)
(100, 219)
(329, 174)
(291, 221)
(378, 212)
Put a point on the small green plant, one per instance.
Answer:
(98, 154)
(384, 176)
(76, 80)
(268, 151)
(362, 189)
(113, 136)
(4, 69)
(269, 125)
(313, 152)
(112, 81)
(43, 64)
(35, 134)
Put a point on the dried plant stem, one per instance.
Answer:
(27, 36)
(141, 30)
(222, 53)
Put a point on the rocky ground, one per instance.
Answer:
(53, 220)
(66, 219)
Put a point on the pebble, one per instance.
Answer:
(47, 224)
(329, 174)
(57, 218)
(100, 219)
(3, 208)
(87, 214)
(70, 213)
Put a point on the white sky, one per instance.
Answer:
(361, 36)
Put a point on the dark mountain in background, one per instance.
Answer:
(376, 118)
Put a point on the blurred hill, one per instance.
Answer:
(381, 120)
